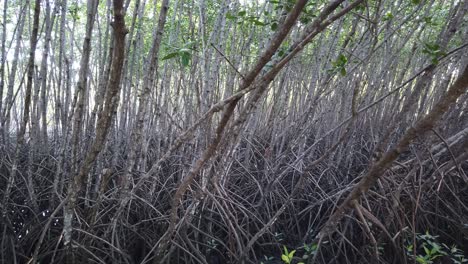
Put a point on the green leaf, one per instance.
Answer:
(304, 19)
(431, 47)
(274, 26)
(285, 259)
(257, 22)
(428, 252)
(291, 254)
(185, 56)
(343, 71)
(342, 59)
(314, 247)
(231, 16)
(409, 249)
(242, 13)
(360, 7)
(421, 260)
(73, 10)
(388, 16)
(170, 55)
(428, 20)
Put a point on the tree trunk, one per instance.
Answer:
(104, 121)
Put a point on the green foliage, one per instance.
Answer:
(429, 250)
(274, 25)
(434, 52)
(285, 4)
(283, 50)
(184, 54)
(429, 21)
(387, 16)
(309, 250)
(308, 13)
(287, 257)
(73, 10)
(243, 18)
(339, 65)
(361, 7)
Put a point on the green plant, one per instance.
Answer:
(429, 250)
(339, 65)
(310, 250)
(287, 257)
(242, 17)
(457, 255)
(433, 51)
(388, 16)
(184, 53)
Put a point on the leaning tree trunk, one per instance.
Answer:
(381, 166)
(276, 41)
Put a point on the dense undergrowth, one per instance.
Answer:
(222, 131)
(421, 193)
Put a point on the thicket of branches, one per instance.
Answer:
(219, 131)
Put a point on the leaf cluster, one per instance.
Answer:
(339, 65)
(429, 250)
(184, 53)
(434, 52)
